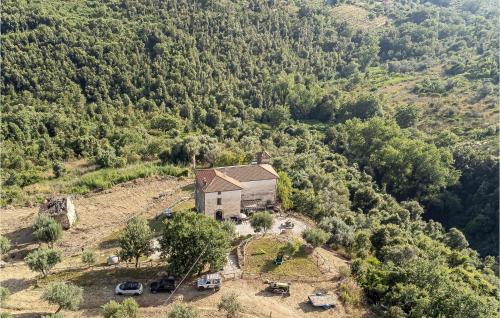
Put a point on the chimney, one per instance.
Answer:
(225, 171)
(263, 157)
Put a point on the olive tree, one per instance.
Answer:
(47, 229)
(4, 294)
(315, 237)
(43, 260)
(135, 240)
(66, 296)
(262, 221)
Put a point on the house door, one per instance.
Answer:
(218, 215)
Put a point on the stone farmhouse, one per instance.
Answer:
(224, 192)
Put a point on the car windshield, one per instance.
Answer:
(131, 285)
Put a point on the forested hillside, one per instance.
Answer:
(383, 114)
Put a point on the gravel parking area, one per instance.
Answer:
(245, 228)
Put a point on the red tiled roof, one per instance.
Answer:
(211, 180)
(250, 172)
(229, 178)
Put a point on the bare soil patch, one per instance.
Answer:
(99, 214)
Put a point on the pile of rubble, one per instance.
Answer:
(61, 209)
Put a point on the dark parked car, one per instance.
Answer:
(163, 285)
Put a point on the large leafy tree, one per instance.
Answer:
(135, 240)
(407, 167)
(193, 240)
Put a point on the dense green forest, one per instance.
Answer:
(121, 81)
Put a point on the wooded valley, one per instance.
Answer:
(382, 117)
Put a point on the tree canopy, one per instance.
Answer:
(192, 240)
(66, 296)
(135, 240)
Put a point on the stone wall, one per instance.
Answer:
(230, 203)
(261, 190)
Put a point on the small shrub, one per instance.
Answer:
(58, 315)
(291, 248)
(230, 304)
(127, 309)
(4, 245)
(350, 293)
(344, 272)
(47, 230)
(4, 294)
(58, 169)
(182, 311)
(89, 257)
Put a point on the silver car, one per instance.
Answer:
(129, 288)
(210, 281)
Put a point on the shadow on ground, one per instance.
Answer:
(16, 285)
(22, 243)
(307, 307)
(32, 315)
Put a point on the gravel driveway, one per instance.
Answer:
(245, 228)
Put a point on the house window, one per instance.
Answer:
(219, 193)
(219, 201)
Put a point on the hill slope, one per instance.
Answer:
(380, 128)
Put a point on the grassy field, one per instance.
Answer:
(82, 178)
(261, 252)
(106, 178)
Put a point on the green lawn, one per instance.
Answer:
(261, 252)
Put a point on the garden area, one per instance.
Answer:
(261, 253)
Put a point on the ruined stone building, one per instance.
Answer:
(61, 209)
